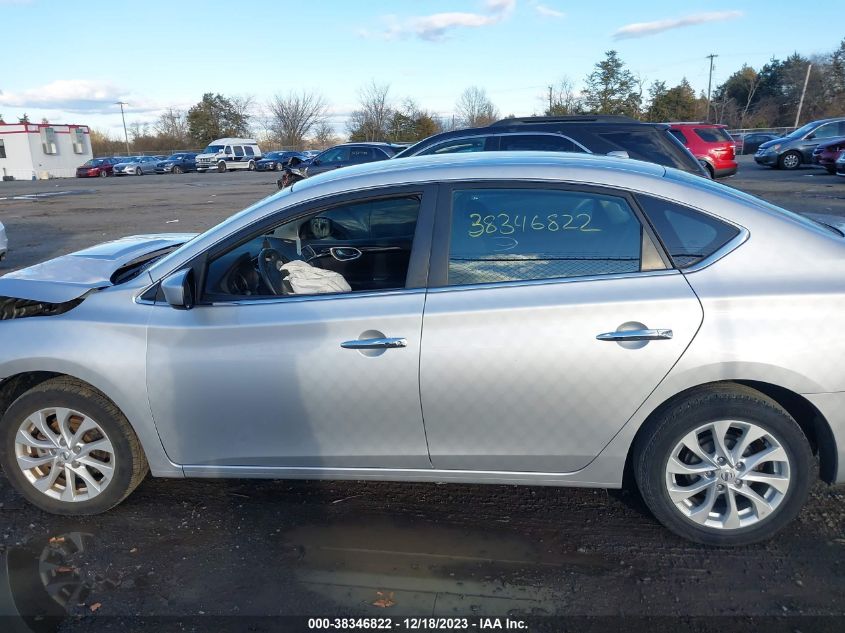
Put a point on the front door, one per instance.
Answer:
(554, 320)
(296, 365)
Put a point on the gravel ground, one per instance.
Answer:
(255, 548)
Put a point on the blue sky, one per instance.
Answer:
(69, 61)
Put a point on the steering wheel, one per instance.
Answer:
(270, 262)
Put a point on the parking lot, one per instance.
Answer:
(242, 548)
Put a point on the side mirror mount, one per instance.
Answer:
(810, 136)
(619, 153)
(178, 289)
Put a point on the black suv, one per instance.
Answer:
(591, 134)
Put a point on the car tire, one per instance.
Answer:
(139, 171)
(277, 167)
(104, 174)
(727, 511)
(178, 170)
(830, 169)
(790, 160)
(221, 167)
(86, 405)
(251, 165)
(710, 170)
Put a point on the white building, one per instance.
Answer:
(42, 150)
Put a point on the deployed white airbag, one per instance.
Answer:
(306, 279)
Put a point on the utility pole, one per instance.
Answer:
(711, 56)
(803, 92)
(550, 99)
(122, 116)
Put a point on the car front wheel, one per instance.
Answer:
(790, 160)
(726, 466)
(69, 450)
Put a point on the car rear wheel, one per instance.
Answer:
(69, 450)
(726, 466)
(177, 169)
(790, 160)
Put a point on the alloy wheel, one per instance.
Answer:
(65, 454)
(728, 474)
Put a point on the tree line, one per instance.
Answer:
(749, 97)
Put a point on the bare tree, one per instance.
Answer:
(292, 117)
(244, 107)
(563, 99)
(324, 135)
(475, 109)
(371, 120)
(173, 124)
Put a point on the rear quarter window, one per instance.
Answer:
(689, 236)
(712, 134)
(653, 146)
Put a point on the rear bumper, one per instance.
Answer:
(723, 172)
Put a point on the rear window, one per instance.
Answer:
(712, 134)
(652, 146)
(688, 235)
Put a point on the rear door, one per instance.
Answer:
(551, 318)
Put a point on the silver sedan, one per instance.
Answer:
(137, 166)
(520, 318)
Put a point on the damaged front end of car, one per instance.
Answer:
(13, 308)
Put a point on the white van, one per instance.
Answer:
(229, 153)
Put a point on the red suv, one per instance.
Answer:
(710, 144)
(827, 153)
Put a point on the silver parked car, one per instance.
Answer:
(137, 166)
(529, 318)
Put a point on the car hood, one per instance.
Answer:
(71, 276)
(774, 141)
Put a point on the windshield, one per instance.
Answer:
(212, 149)
(176, 157)
(801, 131)
(274, 155)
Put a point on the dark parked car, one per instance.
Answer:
(177, 163)
(98, 167)
(710, 144)
(825, 154)
(591, 134)
(274, 161)
(751, 142)
(349, 154)
(796, 149)
(840, 164)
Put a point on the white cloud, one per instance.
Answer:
(644, 29)
(547, 11)
(76, 95)
(436, 26)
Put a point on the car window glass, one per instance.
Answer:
(335, 155)
(679, 135)
(354, 247)
(458, 146)
(647, 146)
(248, 150)
(712, 134)
(360, 155)
(523, 234)
(828, 130)
(537, 143)
(688, 235)
(239, 151)
(228, 150)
